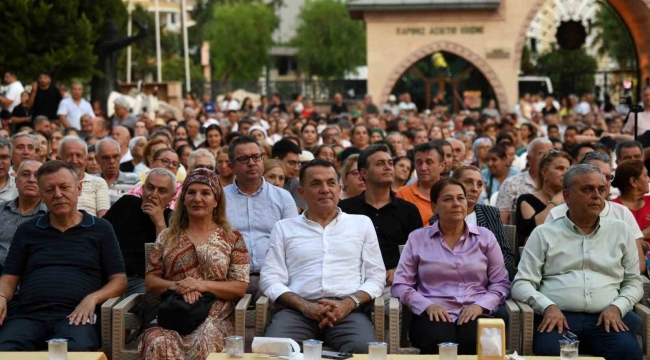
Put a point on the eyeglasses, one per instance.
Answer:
(353, 173)
(245, 159)
(167, 162)
(593, 155)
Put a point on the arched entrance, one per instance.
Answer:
(458, 50)
(490, 34)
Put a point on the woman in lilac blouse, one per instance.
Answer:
(450, 274)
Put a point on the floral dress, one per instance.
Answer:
(219, 258)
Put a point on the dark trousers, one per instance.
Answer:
(350, 335)
(31, 334)
(426, 334)
(594, 340)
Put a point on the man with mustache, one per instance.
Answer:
(580, 272)
(67, 262)
(324, 268)
(137, 221)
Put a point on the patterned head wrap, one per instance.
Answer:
(205, 177)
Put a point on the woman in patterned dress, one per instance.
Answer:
(198, 253)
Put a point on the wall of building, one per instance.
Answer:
(491, 40)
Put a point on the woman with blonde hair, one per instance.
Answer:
(199, 254)
(274, 172)
(353, 184)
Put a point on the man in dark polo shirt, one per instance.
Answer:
(394, 218)
(137, 221)
(45, 97)
(67, 262)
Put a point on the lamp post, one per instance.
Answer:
(158, 61)
(185, 46)
(129, 32)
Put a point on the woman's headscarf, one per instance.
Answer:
(480, 141)
(257, 127)
(377, 130)
(205, 177)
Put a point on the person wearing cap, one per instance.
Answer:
(306, 156)
(252, 204)
(258, 133)
(370, 107)
(391, 106)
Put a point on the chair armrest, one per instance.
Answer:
(379, 318)
(261, 313)
(514, 336)
(107, 323)
(527, 327)
(119, 322)
(644, 312)
(394, 336)
(240, 314)
(646, 287)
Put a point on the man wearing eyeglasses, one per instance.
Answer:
(253, 205)
(108, 157)
(289, 153)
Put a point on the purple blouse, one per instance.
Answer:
(429, 272)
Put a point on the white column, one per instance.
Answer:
(158, 61)
(185, 46)
(129, 31)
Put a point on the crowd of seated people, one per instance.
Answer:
(311, 209)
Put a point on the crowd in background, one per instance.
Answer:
(497, 167)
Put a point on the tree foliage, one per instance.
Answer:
(53, 35)
(329, 42)
(240, 36)
(571, 71)
(613, 39)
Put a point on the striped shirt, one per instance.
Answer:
(94, 195)
(11, 218)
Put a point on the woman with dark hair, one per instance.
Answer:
(226, 174)
(632, 181)
(325, 152)
(199, 253)
(532, 209)
(527, 133)
(309, 136)
(247, 106)
(184, 152)
(180, 132)
(498, 170)
(360, 137)
(403, 172)
(213, 139)
(450, 274)
(482, 215)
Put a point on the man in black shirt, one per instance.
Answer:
(67, 262)
(137, 221)
(338, 107)
(45, 97)
(394, 218)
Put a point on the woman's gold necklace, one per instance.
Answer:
(194, 237)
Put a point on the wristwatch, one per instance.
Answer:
(357, 303)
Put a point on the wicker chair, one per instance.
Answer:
(528, 326)
(263, 319)
(107, 324)
(124, 321)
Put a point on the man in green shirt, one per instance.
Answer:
(581, 272)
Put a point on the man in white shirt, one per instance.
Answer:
(12, 96)
(323, 268)
(407, 104)
(72, 108)
(229, 103)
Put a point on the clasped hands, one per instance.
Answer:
(328, 312)
(191, 289)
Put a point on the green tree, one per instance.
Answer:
(570, 71)
(240, 39)
(329, 42)
(53, 35)
(612, 37)
(174, 70)
(527, 64)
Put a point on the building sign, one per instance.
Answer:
(440, 30)
(498, 54)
